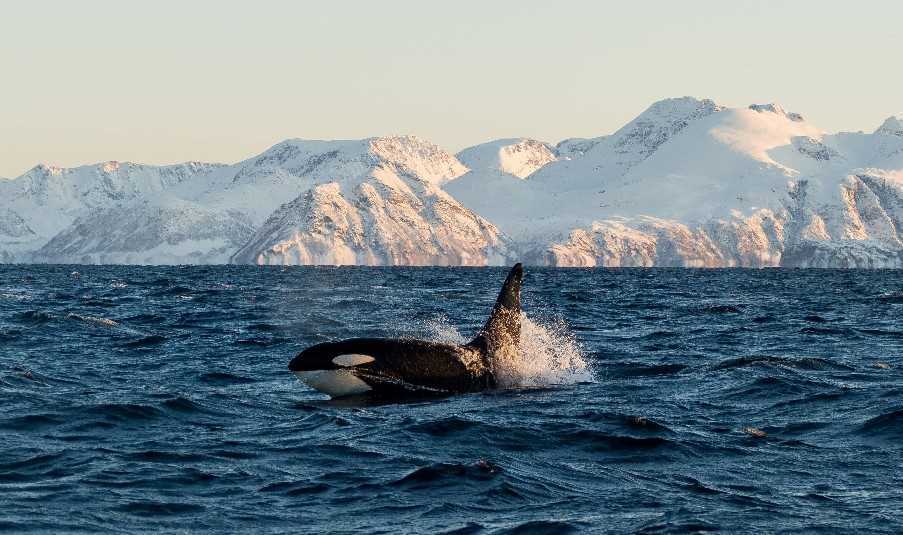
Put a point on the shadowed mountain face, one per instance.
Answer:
(687, 183)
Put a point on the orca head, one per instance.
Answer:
(332, 369)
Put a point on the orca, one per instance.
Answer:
(397, 367)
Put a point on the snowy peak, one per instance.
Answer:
(671, 109)
(314, 159)
(343, 159)
(413, 155)
(520, 157)
(778, 110)
(111, 179)
(44, 170)
(893, 126)
(658, 124)
(587, 163)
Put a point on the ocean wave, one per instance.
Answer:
(223, 379)
(31, 422)
(722, 309)
(146, 341)
(881, 332)
(263, 327)
(184, 405)
(296, 488)
(15, 296)
(541, 527)
(104, 428)
(146, 318)
(171, 291)
(449, 474)
(615, 443)
(827, 331)
(641, 423)
(261, 342)
(33, 317)
(820, 397)
(40, 467)
(771, 386)
(121, 412)
(444, 426)
(888, 425)
(8, 335)
(803, 363)
(156, 508)
(96, 320)
(638, 369)
(670, 525)
(890, 297)
(158, 456)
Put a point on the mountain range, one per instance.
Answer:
(688, 183)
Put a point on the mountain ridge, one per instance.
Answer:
(688, 182)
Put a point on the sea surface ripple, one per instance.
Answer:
(157, 399)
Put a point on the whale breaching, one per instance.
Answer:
(397, 367)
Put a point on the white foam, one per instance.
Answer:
(439, 329)
(93, 319)
(549, 353)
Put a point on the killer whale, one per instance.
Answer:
(394, 367)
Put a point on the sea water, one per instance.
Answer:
(663, 400)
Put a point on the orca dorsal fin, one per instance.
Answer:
(502, 329)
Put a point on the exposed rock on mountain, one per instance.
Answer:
(388, 217)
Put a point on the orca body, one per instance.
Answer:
(396, 367)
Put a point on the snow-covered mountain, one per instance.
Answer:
(687, 183)
(158, 230)
(386, 207)
(372, 201)
(496, 183)
(693, 183)
(516, 157)
(46, 200)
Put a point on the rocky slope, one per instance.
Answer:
(375, 202)
(387, 208)
(376, 221)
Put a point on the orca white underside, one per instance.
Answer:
(336, 383)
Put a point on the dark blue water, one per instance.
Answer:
(158, 399)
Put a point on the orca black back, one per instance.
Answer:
(399, 366)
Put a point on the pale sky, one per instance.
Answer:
(169, 81)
